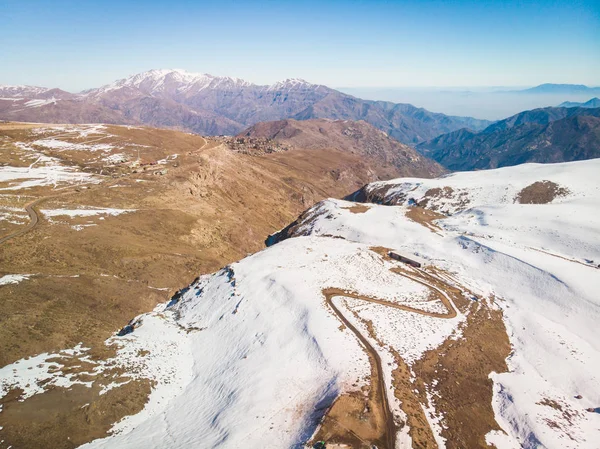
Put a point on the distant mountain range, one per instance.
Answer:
(592, 103)
(492, 103)
(564, 89)
(540, 135)
(212, 105)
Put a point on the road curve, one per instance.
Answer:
(330, 293)
(33, 220)
(390, 434)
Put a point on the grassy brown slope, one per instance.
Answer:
(460, 369)
(356, 137)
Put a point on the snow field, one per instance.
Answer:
(540, 260)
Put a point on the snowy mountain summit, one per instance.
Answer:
(171, 81)
(458, 311)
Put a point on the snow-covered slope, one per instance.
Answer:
(266, 349)
(542, 261)
(252, 355)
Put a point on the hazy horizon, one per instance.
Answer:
(483, 104)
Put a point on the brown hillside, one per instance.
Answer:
(357, 138)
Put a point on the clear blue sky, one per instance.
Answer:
(80, 44)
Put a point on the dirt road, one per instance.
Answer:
(330, 293)
(33, 220)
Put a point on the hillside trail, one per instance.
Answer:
(34, 215)
(34, 219)
(330, 293)
(206, 142)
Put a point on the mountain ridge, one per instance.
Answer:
(540, 135)
(560, 88)
(212, 105)
(591, 103)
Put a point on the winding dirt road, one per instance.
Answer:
(330, 293)
(34, 219)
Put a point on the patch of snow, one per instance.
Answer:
(13, 215)
(82, 227)
(72, 131)
(116, 158)
(13, 278)
(85, 212)
(31, 373)
(29, 177)
(292, 84)
(435, 420)
(171, 157)
(39, 103)
(69, 146)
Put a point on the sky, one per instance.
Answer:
(76, 45)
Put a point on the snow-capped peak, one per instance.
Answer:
(21, 91)
(291, 83)
(177, 81)
(173, 80)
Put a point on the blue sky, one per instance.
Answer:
(80, 44)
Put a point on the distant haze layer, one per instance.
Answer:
(482, 103)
